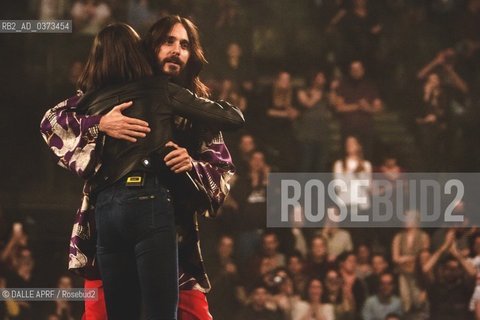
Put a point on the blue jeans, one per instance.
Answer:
(137, 250)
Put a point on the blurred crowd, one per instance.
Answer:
(308, 71)
(17, 270)
(312, 77)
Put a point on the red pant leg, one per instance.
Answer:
(193, 305)
(95, 310)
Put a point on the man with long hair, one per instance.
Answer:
(184, 66)
(173, 47)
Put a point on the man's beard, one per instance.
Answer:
(172, 66)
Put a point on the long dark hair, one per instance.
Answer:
(116, 57)
(158, 34)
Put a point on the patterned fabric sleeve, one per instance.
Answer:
(214, 169)
(72, 137)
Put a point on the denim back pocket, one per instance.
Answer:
(150, 207)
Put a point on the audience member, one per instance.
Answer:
(312, 125)
(317, 263)
(257, 308)
(433, 122)
(339, 295)
(379, 266)
(285, 297)
(361, 29)
(90, 16)
(339, 240)
(225, 299)
(52, 9)
(249, 192)
(11, 254)
(451, 288)
(235, 67)
(356, 100)
(296, 268)
(364, 267)
(352, 166)
(406, 246)
(355, 289)
(313, 308)
(281, 114)
(384, 302)
(140, 15)
(64, 309)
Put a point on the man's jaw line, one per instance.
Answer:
(175, 77)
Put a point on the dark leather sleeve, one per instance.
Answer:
(220, 116)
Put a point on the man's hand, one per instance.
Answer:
(178, 160)
(118, 126)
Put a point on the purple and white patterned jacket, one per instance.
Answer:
(76, 142)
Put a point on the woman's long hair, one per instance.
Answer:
(158, 34)
(116, 57)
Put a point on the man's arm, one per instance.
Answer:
(374, 107)
(340, 105)
(218, 116)
(212, 170)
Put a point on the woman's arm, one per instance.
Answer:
(306, 100)
(396, 257)
(449, 240)
(71, 137)
(466, 265)
(7, 252)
